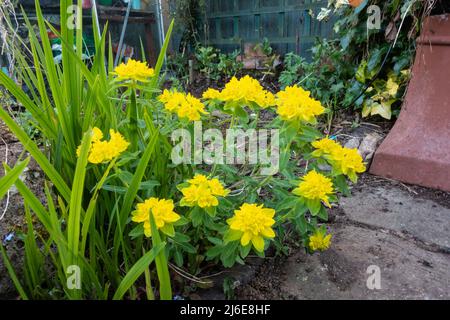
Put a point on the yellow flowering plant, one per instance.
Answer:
(121, 209)
(319, 240)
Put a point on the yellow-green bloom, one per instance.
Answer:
(254, 222)
(325, 147)
(133, 70)
(163, 214)
(349, 162)
(319, 240)
(295, 104)
(244, 90)
(345, 161)
(184, 105)
(315, 186)
(203, 192)
(105, 151)
(211, 94)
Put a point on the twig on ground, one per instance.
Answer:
(187, 275)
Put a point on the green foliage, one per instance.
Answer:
(229, 65)
(341, 70)
(214, 65)
(88, 221)
(88, 224)
(208, 62)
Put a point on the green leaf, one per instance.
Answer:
(313, 206)
(244, 251)
(196, 216)
(211, 211)
(286, 203)
(361, 73)
(137, 231)
(162, 55)
(12, 273)
(214, 252)
(76, 198)
(232, 235)
(133, 188)
(37, 155)
(11, 177)
(162, 268)
(341, 184)
(137, 270)
(323, 213)
(215, 241)
(383, 109)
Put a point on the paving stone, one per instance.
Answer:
(406, 270)
(395, 209)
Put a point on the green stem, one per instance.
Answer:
(133, 120)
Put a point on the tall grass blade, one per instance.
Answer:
(137, 270)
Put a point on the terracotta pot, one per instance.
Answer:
(87, 4)
(417, 150)
(355, 3)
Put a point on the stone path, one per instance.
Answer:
(386, 227)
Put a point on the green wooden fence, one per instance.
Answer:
(287, 24)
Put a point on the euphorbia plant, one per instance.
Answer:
(121, 210)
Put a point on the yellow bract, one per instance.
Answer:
(163, 214)
(295, 104)
(255, 222)
(105, 151)
(315, 186)
(184, 105)
(344, 160)
(133, 70)
(203, 192)
(211, 94)
(319, 241)
(325, 147)
(244, 90)
(349, 162)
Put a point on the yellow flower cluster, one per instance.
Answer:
(133, 70)
(104, 151)
(319, 241)
(325, 147)
(295, 104)
(255, 223)
(245, 90)
(163, 214)
(315, 186)
(184, 105)
(203, 192)
(344, 160)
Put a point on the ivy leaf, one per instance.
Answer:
(383, 109)
(392, 87)
(361, 72)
